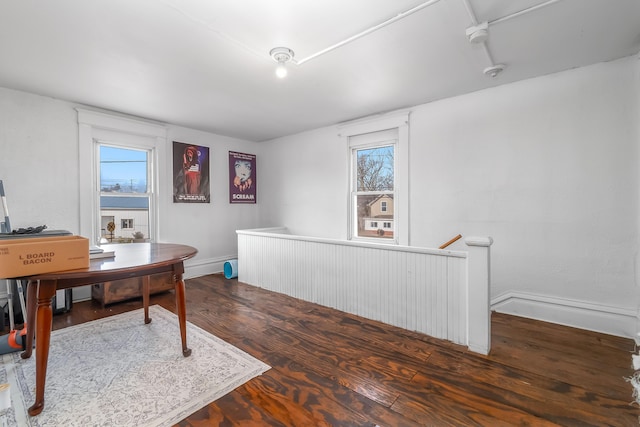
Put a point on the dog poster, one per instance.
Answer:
(190, 173)
(242, 177)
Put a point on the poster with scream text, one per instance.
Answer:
(242, 178)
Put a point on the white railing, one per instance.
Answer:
(437, 292)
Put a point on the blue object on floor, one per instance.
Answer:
(231, 269)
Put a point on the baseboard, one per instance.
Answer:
(202, 267)
(610, 320)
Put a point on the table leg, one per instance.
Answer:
(181, 305)
(44, 318)
(146, 286)
(32, 291)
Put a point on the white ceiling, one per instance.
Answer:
(205, 64)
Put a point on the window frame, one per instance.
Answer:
(149, 194)
(97, 128)
(399, 120)
(372, 141)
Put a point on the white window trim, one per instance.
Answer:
(399, 120)
(93, 126)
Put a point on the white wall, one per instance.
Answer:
(211, 227)
(548, 167)
(304, 183)
(39, 165)
(39, 160)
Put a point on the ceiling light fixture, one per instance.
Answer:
(281, 55)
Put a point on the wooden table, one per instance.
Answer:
(131, 260)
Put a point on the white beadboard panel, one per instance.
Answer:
(458, 299)
(418, 289)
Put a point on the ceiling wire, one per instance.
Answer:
(522, 12)
(467, 4)
(399, 16)
(421, 6)
(228, 38)
(472, 15)
(474, 21)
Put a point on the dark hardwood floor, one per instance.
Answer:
(334, 369)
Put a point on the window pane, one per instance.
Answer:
(122, 216)
(123, 170)
(374, 169)
(371, 220)
(124, 202)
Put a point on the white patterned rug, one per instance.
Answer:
(118, 371)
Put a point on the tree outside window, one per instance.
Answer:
(374, 190)
(378, 180)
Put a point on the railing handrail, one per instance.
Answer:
(282, 233)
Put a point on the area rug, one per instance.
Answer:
(118, 371)
(635, 378)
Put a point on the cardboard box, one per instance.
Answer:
(30, 256)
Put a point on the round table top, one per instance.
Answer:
(129, 259)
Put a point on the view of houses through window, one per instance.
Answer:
(124, 193)
(374, 191)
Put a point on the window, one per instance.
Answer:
(120, 155)
(378, 155)
(373, 168)
(124, 182)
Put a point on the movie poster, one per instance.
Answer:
(190, 173)
(242, 178)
